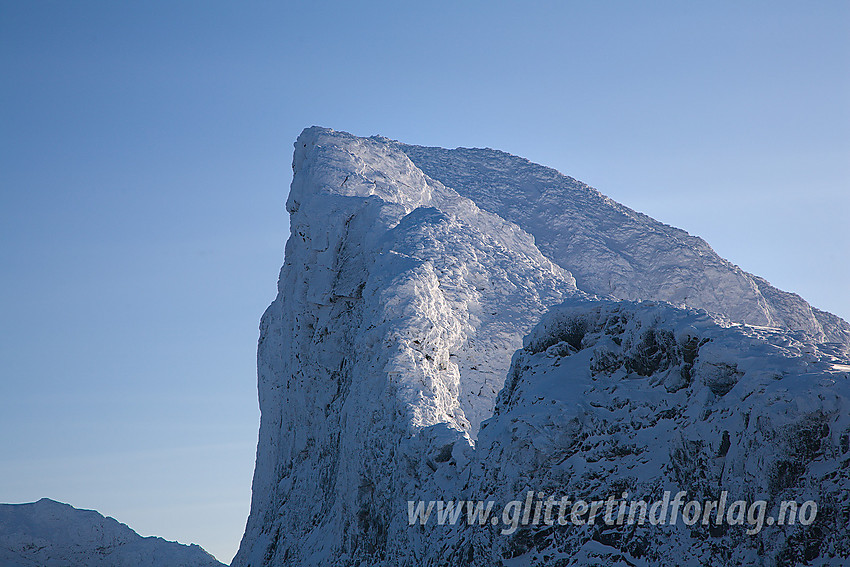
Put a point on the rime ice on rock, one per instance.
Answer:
(412, 276)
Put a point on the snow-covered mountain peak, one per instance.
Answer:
(365, 197)
(47, 533)
(412, 275)
(337, 163)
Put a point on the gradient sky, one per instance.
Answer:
(145, 162)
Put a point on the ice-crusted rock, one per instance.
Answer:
(411, 277)
(400, 304)
(611, 397)
(51, 534)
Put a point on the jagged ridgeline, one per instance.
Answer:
(468, 324)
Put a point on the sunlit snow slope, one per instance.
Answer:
(411, 277)
(611, 249)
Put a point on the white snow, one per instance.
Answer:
(611, 249)
(611, 417)
(411, 277)
(51, 534)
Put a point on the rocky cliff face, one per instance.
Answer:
(609, 398)
(51, 534)
(411, 277)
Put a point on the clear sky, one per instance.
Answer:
(145, 153)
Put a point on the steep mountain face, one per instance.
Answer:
(411, 277)
(51, 534)
(400, 304)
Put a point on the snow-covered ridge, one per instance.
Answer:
(613, 250)
(51, 534)
(607, 397)
(411, 277)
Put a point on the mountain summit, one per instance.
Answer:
(52, 534)
(467, 324)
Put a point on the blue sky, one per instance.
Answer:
(145, 161)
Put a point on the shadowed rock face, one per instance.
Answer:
(51, 534)
(411, 277)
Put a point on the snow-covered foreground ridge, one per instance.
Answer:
(51, 534)
(392, 368)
